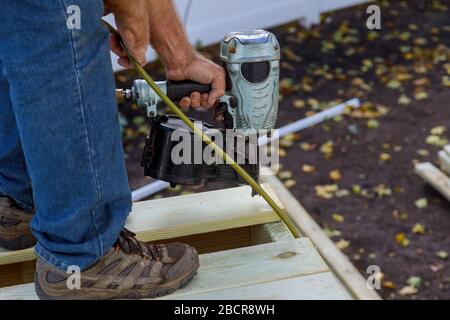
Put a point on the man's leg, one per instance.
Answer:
(16, 204)
(14, 181)
(62, 92)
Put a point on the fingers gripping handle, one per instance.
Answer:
(176, 90)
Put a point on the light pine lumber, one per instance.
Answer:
(336, 260)
(435, 177)
(270, 232)
(444, 161)
(321, 286)
(186, 215)
(276, 267)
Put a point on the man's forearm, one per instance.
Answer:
(167, 35)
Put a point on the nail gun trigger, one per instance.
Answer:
(222, 109)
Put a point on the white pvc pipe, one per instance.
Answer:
(298, 125)
(310, 121)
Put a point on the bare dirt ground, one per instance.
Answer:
(354, 174)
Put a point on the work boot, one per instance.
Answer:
(15, 232)
(130, 270)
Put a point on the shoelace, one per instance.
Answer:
(128, 243)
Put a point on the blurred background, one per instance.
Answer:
(355, 173)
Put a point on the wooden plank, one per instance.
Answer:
(444, 161)
(270, 232)
(236, 269)
(338, 262)
(181, 216)
(321, 286)
(23, 272)
(435, 177)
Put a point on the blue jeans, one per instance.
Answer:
(60, 143)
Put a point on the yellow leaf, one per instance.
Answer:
(306, 146)
(327, 149)
(337, 217)
(407, 291)
(388, 285)
(421, 203)
(326, 191)
(404, 100)
(299, 103)
(335, 175)
(356, 189)
(385, 156)
(438, 131)
(418, 228)
(446, 81)
(401, 239)
(373, 124)
(289, 183)
(342, 244)
(285, 174)
(306, 168)
(421, 95)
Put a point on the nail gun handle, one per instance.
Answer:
(176, 90)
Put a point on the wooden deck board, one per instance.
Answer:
(180, 216)
(435, 177)
(321, 286)
(281, 270)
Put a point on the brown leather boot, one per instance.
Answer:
(15, 233)
(130, 270)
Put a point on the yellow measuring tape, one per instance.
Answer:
(241, 171)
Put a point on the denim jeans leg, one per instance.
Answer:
(62, 94)
(14, 180)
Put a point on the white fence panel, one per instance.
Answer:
(207, 21)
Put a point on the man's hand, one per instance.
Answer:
(133, 24)
(199, 69)
(142, 21)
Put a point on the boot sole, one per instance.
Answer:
(159, 291)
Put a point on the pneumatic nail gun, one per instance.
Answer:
(250, 104)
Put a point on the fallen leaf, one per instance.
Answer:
(326, 191)
(289, 183)
(373, 124)
(437, 267)
(306, 168)
(407, 291)
(332, 232)
(342, 244)
(414, 282)
(421, 203)
(305, 146)
(299, 103)
(337, 217)
(423, 152)
(442, 255)
(356, 189)
(401, 239)
(438, 131)
(385, 156)
(327, 149)
(436, 140)
(335, 175)
(404, 100)
(388, 285)
(418, 228)
(285, 174)
(420, 95)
